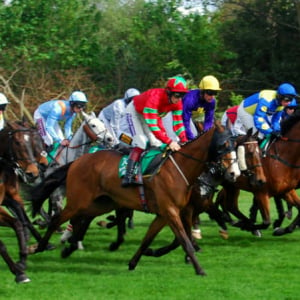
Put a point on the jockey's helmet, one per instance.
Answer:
(286, 92)
(3, 99)
(130, 93)
(209, 82)
(78, 99)
(177, 84)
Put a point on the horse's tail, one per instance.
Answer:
(43, 190)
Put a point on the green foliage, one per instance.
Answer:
(235, 99)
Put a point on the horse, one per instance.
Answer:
(90, 131)
(281, 166)
(97, 190)
(8, 176)
(16, 154)
(251, 168)
(222, 162)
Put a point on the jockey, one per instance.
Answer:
(203, 98)
(144, 116)
(262, 111)
(112, 114)
(48, 115)
(3, 103)
(232, 122)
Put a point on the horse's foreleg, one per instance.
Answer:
(17, 226)
(121, 215)
(263, 202)
(176, 225)
(21, 277)
(80, 226)
(155, 227)
(280, 210)
(56, 221)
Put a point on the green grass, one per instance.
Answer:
(242, 267)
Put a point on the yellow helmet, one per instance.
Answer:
(209, 83)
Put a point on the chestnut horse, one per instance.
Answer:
(251, 168)
(94, 188)
(282, 169)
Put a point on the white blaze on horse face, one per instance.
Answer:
(241, 158)
(233, 171)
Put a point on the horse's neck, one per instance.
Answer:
(79, 145)
(194, 156)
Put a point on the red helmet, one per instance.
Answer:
(177, 84)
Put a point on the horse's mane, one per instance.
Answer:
(288, 123)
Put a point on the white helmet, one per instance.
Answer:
(78, 96)
(130, 93)
(3, 99)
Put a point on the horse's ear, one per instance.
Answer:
(93, 114)
(249, 132)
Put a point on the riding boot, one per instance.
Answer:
(133, 160)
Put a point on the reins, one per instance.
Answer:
(277, 157)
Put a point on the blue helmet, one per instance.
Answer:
(286, 89)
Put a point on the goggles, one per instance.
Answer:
(79, 105)
(210, 92)
(2, 106)
(287, 98)
(178, 95)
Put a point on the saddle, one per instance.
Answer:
(150, 163)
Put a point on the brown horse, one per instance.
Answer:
(199, 204)
(17, 154)
(94, 188)
(26, 146)
(7, 176)
(282, 169)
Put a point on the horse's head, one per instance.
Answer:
(19, 149)
(38, 145)
(249, 158)
(223, 154)
(97, 131)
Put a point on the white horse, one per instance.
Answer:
(92, 130)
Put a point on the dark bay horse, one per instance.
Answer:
(8, 177)
(25, 151)
(17, 156)
(94, 188)
(282, 169)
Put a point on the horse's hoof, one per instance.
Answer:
(114, 246)
(257, 233)
(80, 245)
(66, 252)
(196, 233)
(278, 231)
(224, 234)
(22, 278)
(131, 266)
